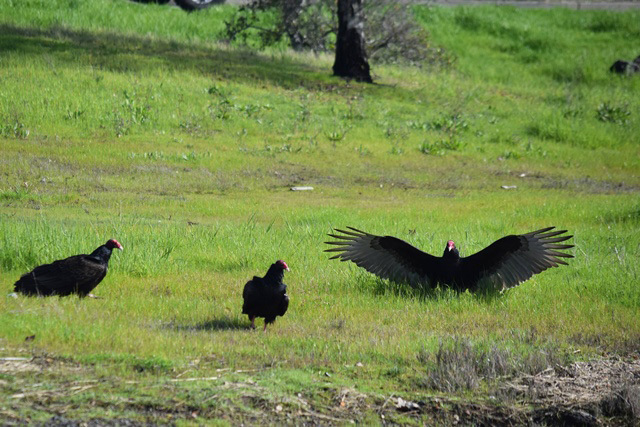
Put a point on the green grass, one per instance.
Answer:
(184, 149)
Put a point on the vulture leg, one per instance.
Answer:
(253, 321)
(265, 327)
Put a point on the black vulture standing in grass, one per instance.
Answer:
(78, 274)
(505, 263)
(266, 296)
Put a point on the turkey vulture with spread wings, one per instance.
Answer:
(78, 274)
(266, 296)
(505, 263)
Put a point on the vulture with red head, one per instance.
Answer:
(505, 263)
(266, 296)
(78, 274)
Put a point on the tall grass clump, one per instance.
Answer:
(460, 364)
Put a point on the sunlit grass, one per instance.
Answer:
(175, 278)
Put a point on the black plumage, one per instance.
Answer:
(266, 296)
(78, 274)
(505, 263)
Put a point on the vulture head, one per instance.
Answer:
(451, 251)
(283, 265)
(113, 244)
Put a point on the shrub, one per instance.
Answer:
(613, 113)
(391, 32)
(460, 365)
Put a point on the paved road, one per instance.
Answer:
(609, 5)
(533, 4)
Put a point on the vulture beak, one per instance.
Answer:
(450, 245)
(287, 269)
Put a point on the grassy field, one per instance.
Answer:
(130, 121)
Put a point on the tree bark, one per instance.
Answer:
(351, 56)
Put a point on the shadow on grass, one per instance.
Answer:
(130, 53)
(122, 53)
(218, 324)
(386, 287)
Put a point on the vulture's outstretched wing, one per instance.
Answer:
(385, 256)
(513, 259)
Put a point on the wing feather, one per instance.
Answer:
(385, 256)
(513, 259)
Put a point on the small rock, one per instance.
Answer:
(301, 188)
(406, 406)
(508, 187)
(279, 408)
(359, 365)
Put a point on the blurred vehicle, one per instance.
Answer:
(196, 4)
(189, 5)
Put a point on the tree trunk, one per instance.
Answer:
(351, 56)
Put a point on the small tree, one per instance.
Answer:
(351, 55)
(393, 35)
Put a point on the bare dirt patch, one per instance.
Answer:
(583, 391)
(17, 364)
(590, 186)
(59, 421)
(602, 392)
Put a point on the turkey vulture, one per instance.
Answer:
(505, 263)
(266, 296)
(78, 274)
